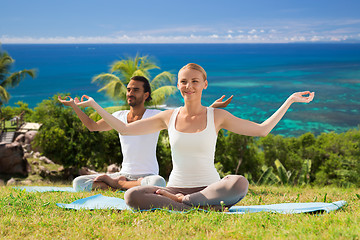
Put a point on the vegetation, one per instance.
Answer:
(35, 216)
(10, 79)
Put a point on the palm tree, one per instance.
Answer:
(9, 79)
(114, 83)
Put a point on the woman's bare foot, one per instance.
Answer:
(176, 197)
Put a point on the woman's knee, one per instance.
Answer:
(238, 183)
(134, 197)
(131, 196)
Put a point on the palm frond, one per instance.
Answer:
(5, 65)
(265, 178)
(105, 78)
(115, 90)
(162, 79)
(304, 176)
(282, 173)
(126, 68)
(147, 64)
(4, 95)
(140, 72)
(5, 59)
(15, 78)
(161, 94)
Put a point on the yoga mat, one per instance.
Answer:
(97, 202)
(102, 202)
(289, 208)
(45, 189)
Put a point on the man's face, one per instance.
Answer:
(135, 93)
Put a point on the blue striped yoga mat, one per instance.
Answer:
(45, 189)
(102, 202)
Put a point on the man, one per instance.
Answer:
(139, 166)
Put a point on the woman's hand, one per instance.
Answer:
(68, 101)
(176, 197)
(299, 96)
(219, 103)
(87, 103)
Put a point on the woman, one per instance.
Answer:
(193, 130)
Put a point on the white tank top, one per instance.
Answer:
(193, 154)
(139, 152)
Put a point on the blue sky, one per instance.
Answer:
(168, 21)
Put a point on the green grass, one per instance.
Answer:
(35, 216)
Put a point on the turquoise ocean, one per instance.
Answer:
(260, 76)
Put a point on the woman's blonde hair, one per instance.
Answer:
(195, 67)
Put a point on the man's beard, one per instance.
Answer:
(135, 102)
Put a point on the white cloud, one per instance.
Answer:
(266, 33)
(191, 38)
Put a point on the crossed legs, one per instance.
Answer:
(227, 192)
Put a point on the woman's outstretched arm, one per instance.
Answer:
(226, 120)
(100, 125)
(140, 127)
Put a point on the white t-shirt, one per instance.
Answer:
(139, 152)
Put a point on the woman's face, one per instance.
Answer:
(191, 83)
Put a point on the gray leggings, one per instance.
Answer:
(227, 192)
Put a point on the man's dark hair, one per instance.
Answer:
(147, 87)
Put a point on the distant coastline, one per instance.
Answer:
(260, 75)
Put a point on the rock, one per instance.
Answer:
(43, 171)
(11, 182)
(20, 139)
(12, 160)
(26, 182)
(69, 173)
(2, 183)
(35, 163)
(29, 136)
(46, 160)
(61, 168)
(27, 147)
(36, 155)
(86, 171)
(113, 168)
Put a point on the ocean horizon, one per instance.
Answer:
(260, 76)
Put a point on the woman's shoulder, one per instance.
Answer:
(169, 112)
(220, 112)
